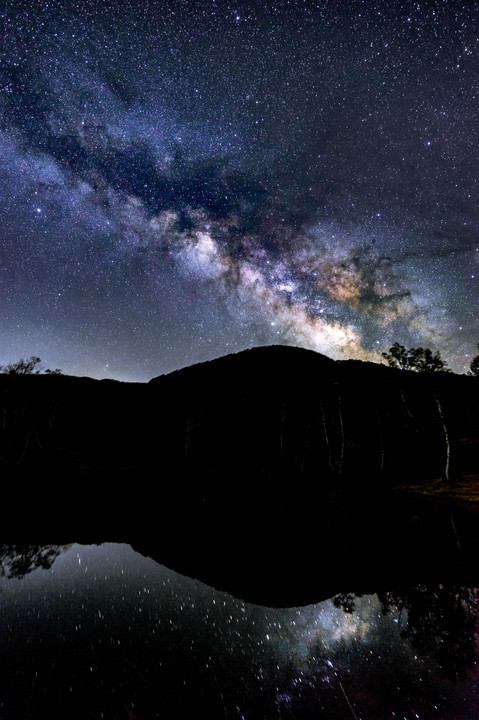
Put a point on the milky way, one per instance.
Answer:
(180, 180)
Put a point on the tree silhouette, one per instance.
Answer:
(16, 561)
(31, 366)
(415, 359)
(474, 366)
(440, 619)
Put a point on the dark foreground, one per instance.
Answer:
(277, 474)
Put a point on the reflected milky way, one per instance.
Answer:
(182, 180)
(105, 632)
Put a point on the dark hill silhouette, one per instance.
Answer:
(277, 474)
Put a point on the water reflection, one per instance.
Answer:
(440, 620)
(102, 632)
(19, 560)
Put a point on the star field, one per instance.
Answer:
(180, 180)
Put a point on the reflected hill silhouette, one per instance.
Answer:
(276, 474)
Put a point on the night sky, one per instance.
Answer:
(181, 180)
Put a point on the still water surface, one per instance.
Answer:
(106, 633)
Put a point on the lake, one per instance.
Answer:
(102, 632)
